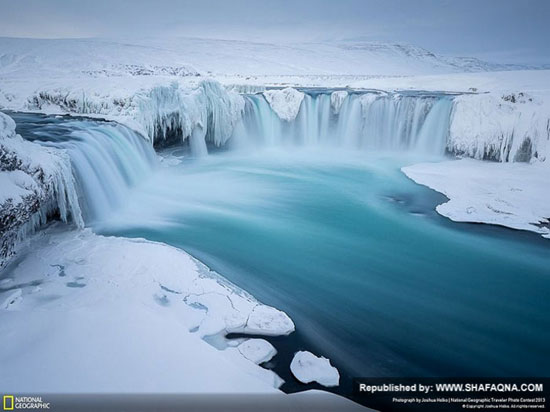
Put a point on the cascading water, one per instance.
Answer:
(372, 121)
(107, 159)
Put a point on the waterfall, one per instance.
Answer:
(371, 121)
(107, 159)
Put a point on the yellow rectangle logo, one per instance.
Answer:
(8, 403)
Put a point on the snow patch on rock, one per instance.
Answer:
(307, 368)
(285, 103)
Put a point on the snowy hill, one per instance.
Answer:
(186, 56)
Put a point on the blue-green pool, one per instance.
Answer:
(353, 251)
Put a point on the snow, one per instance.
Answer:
(35, 183)
(510, 127)
(265, 320)
(514, 195)
(156, 112)
(143, 56)
(307, 368)
(257, 350)
(285, 103)
(15, 186)
(49, 168)
(105, 314)
(337, 99)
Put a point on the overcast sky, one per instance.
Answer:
(498, 30)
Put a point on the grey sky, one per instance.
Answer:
(497, 30)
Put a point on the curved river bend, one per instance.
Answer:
(315, 218)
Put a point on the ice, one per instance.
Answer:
(286, 102)
(307, 368)
(208, 113)
(35, 183)
(508, 127)
(257, 350)
(514, 195)
(337, 99)
(161, 112)
(265, 320)
(94, 338)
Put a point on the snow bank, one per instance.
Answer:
(36, 182)
(508, 127)
(514, 195)
(307, 368)
(107, 314)
(285, 103)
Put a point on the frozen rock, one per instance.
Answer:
(266, 320)
(285, 103)
(307, 368)
(257, 350)
(337, 99)
(511, 127)
(160, 112)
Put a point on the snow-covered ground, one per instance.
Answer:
(114, 57)
(137, 308)
(507, 194)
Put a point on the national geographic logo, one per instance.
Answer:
(10, 403)
(7, 402)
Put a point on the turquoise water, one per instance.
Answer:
(352, 250)
(339, 239)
